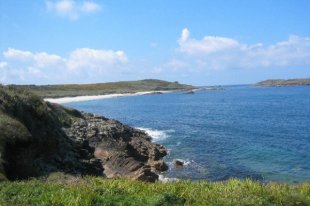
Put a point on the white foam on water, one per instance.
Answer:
(167, 179)
(186, 162)
(157, 135)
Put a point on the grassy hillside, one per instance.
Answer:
(97, 191)
(104, 88)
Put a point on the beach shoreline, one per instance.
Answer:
(63, 100)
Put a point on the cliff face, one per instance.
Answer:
(38, 138)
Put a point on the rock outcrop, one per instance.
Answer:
(178, 163)
(123, 151)
(190, 92)
(38, 138)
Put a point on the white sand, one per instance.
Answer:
(63, 100)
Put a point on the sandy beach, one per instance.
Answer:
(63, 100)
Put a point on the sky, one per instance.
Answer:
(199, 42)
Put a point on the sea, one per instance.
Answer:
(262, 133)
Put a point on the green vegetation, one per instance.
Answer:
(30, 131)
(104, 88)
(98, 191)
(11, 131)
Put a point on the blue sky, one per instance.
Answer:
(198, 42)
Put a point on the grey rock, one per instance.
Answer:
(122, 150)
(178, 163)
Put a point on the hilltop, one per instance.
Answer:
(283, 82)
(66, 90)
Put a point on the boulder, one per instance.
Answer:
(190, 92)
(178, 163)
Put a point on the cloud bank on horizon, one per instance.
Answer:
(28, 67)
(192, 55)
(214, 52)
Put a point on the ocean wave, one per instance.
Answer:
(157, 135)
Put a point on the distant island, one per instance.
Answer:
(283, 82)
(121, 87)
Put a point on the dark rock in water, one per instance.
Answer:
(39, 138)
(190, 92)
(160, 165)
(178, 163)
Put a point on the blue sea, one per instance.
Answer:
(243, 131)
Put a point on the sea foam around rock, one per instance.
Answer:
(157, 135)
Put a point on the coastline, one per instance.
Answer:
(64, 100)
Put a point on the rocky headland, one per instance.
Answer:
(283, 82)
(38, 138)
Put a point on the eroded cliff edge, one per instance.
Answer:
(38, 138)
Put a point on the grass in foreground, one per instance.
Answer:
(98, 191)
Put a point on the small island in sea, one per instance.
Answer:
(284, 82)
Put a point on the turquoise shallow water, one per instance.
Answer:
(242, 131)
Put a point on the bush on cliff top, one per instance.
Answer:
(30, 133)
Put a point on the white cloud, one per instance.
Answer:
(3, 65)
(72, 9)
(82, 64)
(90, 7)
(208, 44)
(95, 59)
(213, 52)
(44, 60)
(17, 54)
(41, 59)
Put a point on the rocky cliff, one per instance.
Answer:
(38, 138)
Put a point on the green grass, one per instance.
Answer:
(98, 191)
